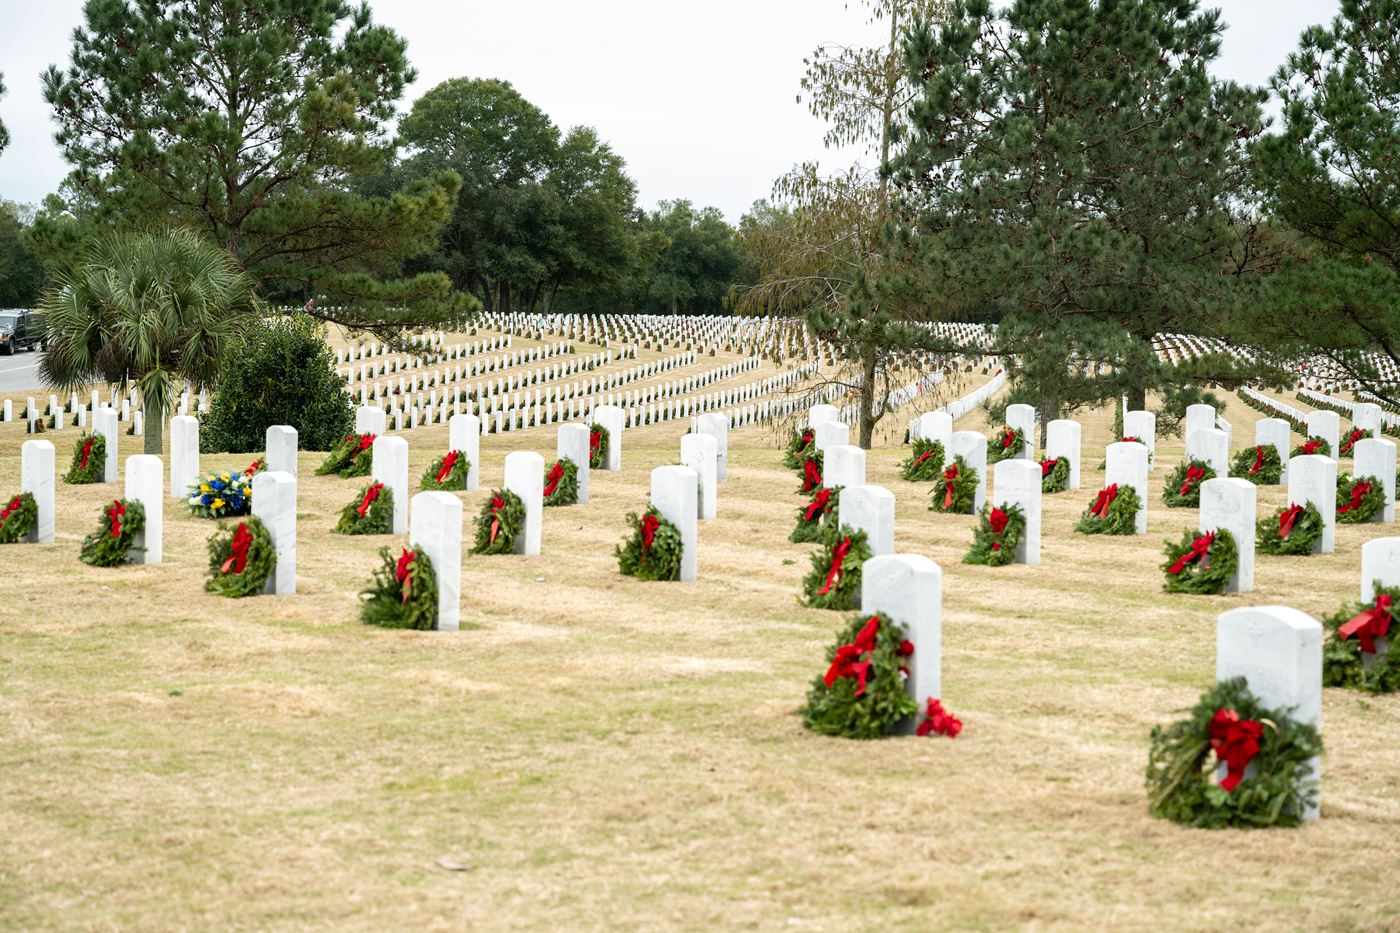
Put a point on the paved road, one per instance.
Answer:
(20, 373)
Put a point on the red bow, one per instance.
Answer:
(115, 512)
(1046, 466)
(1352, 438)
(998, 520)
(1103, 500)
(1007, 438)
(254, 467)
(950, 476)
(924, 456)
(838, 557)
(1133, 440)
(12, 507)
(650, 523)
(1359, 490)
(1200, 546)
(1235, 742)
(1369, 624)
(818, 505)
(1311, 447)
(497, 503)
(595, 440)
(1286, 519)
(87, 452)
(811, 478)
(938, 721)
(448, 463)
(238, 557)
(556, 473)
(1258, 460)
(847, 662)
(366, 440)
(371, 494)
(1193, 476)
(404, 573)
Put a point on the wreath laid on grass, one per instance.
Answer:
(371, 512)
(1054, 475)
(925, 461)
(1228, 728)
(1182, 489)
(561, 483)
(956, 491)
(447, 473)
(402, 593)
(116, 533)
(1293, 531)
(1359, 498)
(834, 580)
(501, 518)
(256, 467)
(221, 495)
(812, 466)
(17, 518)
(998, 533)
(1350, 655)
(653, 548)
(598, 441)
(1113, 512)
(799, 446)
(1348, 444)
(241, 560)
(1313, 445)
(1007, 443)
(1259, 464)
(1202, 563)
(352, 457)
(89, 454)
(862, 695)
(813, 517)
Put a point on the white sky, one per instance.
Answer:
(697, 95)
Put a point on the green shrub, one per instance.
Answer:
(279, 371)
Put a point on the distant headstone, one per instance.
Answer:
(830, 434)
(843, 465)
(717, 426)
(1142, 425)
(184, 454)
(700, 452)
(1211, 445)
(1062, 440)
(572, 444)
(464, 434)
(972, 447)
(104, 422)
(37, 478)
(371, 419)
(1022, 418)
(1313, 478)
(281, 445)
(1127, 466)
(1380, 566)
(1328, 426)
(821, 414)
(1375, 457)
(525, 478)
(614, 420)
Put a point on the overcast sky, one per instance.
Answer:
(697, 95)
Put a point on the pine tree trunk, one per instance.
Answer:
(867, 400)
(1049, 411)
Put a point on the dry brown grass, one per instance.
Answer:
(602, 753)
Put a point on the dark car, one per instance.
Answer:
(20, 330)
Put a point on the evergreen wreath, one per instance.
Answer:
(1313, 445)
(561, 483)
(799, 446)
(1259, 464)
(956, 491)
(598, 441)
(1054, 475)
(813, 516)
(1359, 498)
(1008, 443)
(653, 548)
(403, 592)
(811, 473)
(447, 473)
(1351, 635)
(1229, 728)
(1182, 489)
(834, 580)
(862, 694)
(1202, 563)
(89, 455)
(925, 461)
(351, 457)
(1348, 445)
(1113, 512)
(371, 512)
(998, 533)
(1292, 531)
(241, 560)
(116, 532)
(17, 517)
(500, 520)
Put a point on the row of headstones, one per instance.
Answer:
(510, 364)
(1366, 415)
(369, 351)
(128, 409)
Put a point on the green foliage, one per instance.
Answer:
(834, 580)
(838, 704)
(277, 371)
(353, 456)
(1121, 513)
(1313, 445)
(997, 536)
(1182, 487)
(1259, 464)
(1207, 574)
(89, 454)
(956, 490)
(925, 461)
(454, 477)
(561, 488)
(1359, 498)
(368, 516)
(799, 446)
(259, 559)
(1348, 443)
(104, 548)
(1007, 443)
(411, 602)
(1342, 664)
(22, 268)
(502, 517)
(598, 441)
(1305, 533)
(659, 560)
(810, 472)
(1054, 475)
(17, 517)
(813, 517)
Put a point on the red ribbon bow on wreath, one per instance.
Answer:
(1103, 500)
(838, 558)
(404, 573)
(371, 494)
(848, 663)
(497, 503)
(1311, 447)
(650, 524)
(938, 721)
(1359, 491)
(1235, 742)
(1287, 518)
(254, 467)
(1046, 466)
(1200, 547)
(87, 452)
(1351, 440)
(1131, 439)
(924, 456)
(1194, 475)
(238, 557)
(950, 476)
(811, 479)
(115, 511)
(366, 441)
(556, 473)
(998, 520)
(448, 463)
(1369, 624)
(1258, 460)
(818, 505)
(9, 510)
(1008, 437)
(595, 440)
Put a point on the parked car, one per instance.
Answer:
(20, 330)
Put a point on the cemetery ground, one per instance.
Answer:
(596, 752)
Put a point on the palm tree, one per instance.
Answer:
(154, 309)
